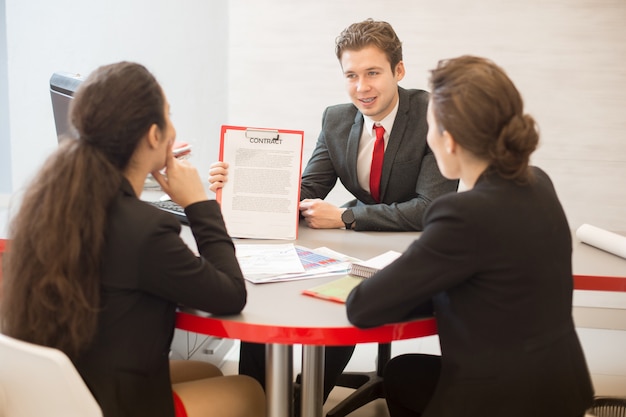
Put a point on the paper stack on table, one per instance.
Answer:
(262, 263)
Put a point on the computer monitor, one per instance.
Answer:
(63, 85)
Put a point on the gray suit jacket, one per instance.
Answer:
(410, 178)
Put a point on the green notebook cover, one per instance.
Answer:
(336, 290)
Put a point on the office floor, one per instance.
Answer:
(363, 360)
(601, 347)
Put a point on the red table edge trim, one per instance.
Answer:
(599, 283)
(327, 336)
(332, 336)
(340, 336)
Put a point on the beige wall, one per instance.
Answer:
(181, 44)
(271, 63)
(567, 57)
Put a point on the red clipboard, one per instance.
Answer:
(261, 197)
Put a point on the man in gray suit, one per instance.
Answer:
(370, 55)
(410, 178)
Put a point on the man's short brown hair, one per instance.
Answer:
(370, 33)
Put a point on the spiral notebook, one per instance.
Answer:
(368, 268)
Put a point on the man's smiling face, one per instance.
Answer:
(370, 81)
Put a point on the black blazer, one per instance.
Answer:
(410, 179)
(496, 262)
(147, 271)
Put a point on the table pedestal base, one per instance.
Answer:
(279, 380)
(312, 380)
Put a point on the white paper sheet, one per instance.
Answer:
(259, 262)
(262, 263)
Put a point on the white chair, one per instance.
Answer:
(41, 381)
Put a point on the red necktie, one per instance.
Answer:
(377, 163)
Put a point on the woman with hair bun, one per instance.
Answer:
(493, 263)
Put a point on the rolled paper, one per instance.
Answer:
(602, 239)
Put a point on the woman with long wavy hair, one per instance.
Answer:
(97, 273)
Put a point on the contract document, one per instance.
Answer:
(261, 196)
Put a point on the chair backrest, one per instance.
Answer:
(608, 407)
(41, 381)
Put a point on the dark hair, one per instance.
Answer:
(52, 270)
(370, 33)
(476, 102)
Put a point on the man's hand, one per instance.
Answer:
(218, 175)
(319, 214)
